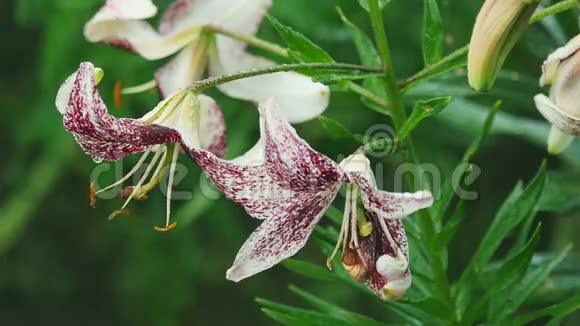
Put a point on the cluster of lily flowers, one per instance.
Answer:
(281, 180)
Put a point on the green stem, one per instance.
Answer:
(203, 85)
(462, 51)
(284, 53)
(251, 40)
(554, 9)
(397, 108)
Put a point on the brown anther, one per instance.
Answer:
(123, 212)
(127, 191)
(92, 195)
(166, 228)
(117, 95)
(353, 265)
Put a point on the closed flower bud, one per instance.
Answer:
(498, 27)
(561, 70)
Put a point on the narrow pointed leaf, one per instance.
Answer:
(365, 4)
(510, 273)
(422, 110)
(309, 270)
(301, 48)
(432, 40)
(335, 129)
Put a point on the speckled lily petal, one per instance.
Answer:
(121, 23)
(280, 236)
(261, 184)
(387, 263)
(390, 205)
(101, 135)
(557, 117)
(290, 160)
(299, 98)
(212, 130)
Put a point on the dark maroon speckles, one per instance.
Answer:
(99, 134)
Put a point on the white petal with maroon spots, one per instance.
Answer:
(290, 160)
(280, 236)
(390, 205)
(101, 135)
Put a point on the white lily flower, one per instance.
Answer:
(561, 70)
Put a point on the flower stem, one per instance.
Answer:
(392, 89)
(554, 9)
(284, 53)
(462, 51)
(251, 40)
(203, 85)
(397, 108)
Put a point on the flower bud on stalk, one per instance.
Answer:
(562, 109)
(499, 25)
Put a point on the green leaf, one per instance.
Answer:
(334, 310)
(449, 189)
(309, 270)
(289, 315)
(365, 4)
(510, 273)
(517, 208)
(422, 110)
(369, 56)
(447, 233)
(558, 311)
(432, 38)
(332, 78)
(335, 129)
(453, 61)
(530, 282)
(301, 49)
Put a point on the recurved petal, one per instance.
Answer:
(390, 205)
(556, 116)
(551, 64)
(121, 23)
(290, 160)
(299, 98)
(281, 236)
(101, 135)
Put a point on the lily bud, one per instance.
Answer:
(561, 70)
(499, 25)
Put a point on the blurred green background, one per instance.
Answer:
(62, 262)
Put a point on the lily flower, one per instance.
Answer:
(183, 29)
(288, 185)
(180, 122)
(561, 70)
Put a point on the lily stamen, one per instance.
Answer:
(139, 88)
(343, 229)
(170, 183)
(143, 178)
(128, 175)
